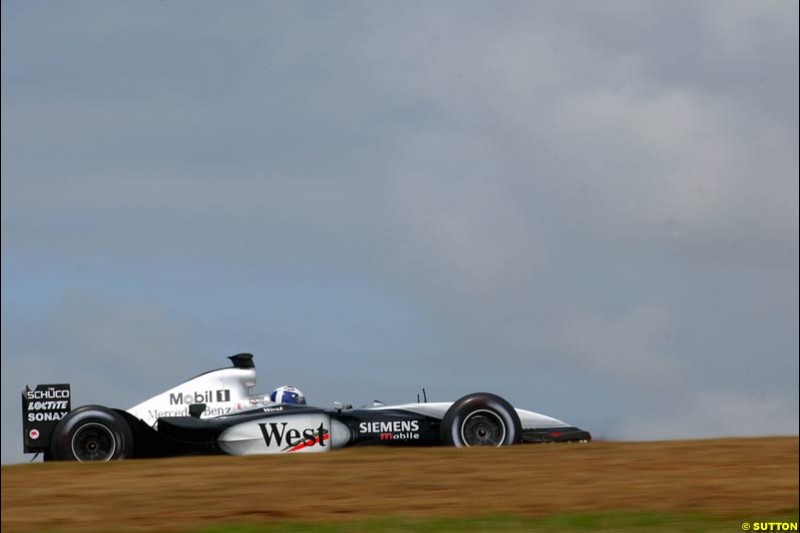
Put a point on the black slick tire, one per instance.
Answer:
(92, 433)
(480, 419)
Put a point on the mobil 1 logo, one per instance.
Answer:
(42, 408)
(206, 396)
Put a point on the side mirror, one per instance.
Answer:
(196, 409)
(339, 406)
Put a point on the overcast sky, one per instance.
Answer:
(589, 208)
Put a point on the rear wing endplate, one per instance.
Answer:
(42, 408)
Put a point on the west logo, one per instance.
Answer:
(209, 396)
(294, 438)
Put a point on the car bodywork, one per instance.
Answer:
(218, 413)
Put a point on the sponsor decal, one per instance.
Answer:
(210, 411)
(208, 396)
(47, 403)
(47, 416)
(294, 439)
(394, 426)
(392, 430)
(42, 409)
(283, 433)
(48, 394)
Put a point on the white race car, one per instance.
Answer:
(217, 413)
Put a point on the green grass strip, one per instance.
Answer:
(618, 521)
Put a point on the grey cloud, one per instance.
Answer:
(718, 413)
(112, 351)
(603, 195)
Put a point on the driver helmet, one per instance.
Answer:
(287, 394)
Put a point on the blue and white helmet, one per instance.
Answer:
(287, 394)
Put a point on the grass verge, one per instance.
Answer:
(618, 521)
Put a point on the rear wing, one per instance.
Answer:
(42, 408)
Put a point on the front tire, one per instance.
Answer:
(92, 433)
(481, 419)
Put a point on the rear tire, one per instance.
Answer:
(92, 433)
(480, 419)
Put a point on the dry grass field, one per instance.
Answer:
(730, 478)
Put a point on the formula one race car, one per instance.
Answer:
(216, 413)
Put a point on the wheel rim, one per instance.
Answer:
(93, 442)
(483, 428)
